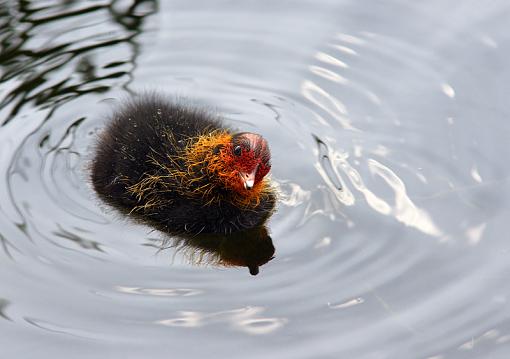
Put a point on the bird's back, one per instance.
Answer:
(147, 126)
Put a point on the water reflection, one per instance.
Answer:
(251, 248)
(4, 303)
(247, 320)
(57, 66)
(53, 54)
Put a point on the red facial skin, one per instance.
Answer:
(249, 160)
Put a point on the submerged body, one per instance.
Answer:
(181, 170)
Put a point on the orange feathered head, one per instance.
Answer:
(238, 162)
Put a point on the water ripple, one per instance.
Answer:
(389, 160)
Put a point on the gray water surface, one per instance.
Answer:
(389, 127)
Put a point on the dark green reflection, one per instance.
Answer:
(47, 68)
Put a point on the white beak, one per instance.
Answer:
(248, 184)
(249, 178)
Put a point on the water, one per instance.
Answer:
(389, 131)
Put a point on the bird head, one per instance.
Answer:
(248, 160)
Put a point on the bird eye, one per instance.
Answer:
(237, 150)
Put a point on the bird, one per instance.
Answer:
(180, 169)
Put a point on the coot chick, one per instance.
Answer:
(181, 170)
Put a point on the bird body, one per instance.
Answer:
(181, 169)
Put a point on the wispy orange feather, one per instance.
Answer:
(198, 171)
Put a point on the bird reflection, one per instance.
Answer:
(251, 248)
